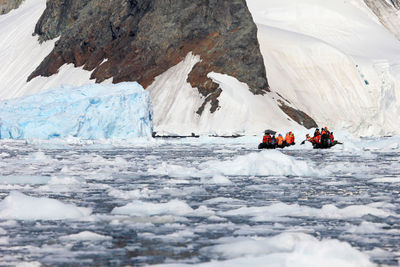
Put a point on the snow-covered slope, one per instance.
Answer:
(333, 60)
(21, 53)
(175, 104)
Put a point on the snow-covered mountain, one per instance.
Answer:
(332, 62)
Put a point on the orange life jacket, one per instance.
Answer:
(280, 140)
(288, 139)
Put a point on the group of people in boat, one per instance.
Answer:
(271, 142)
(322, 139)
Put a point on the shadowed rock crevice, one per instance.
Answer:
(137, 40)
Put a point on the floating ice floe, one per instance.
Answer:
(174, 207)
(24, 179)
(85, 235)
(22, 207)
(263, 163)
(278, 212)
(287, 249)
(92, 111)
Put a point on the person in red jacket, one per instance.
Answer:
(317, 139)
(309, 138)
(267, 138)
(331, 137)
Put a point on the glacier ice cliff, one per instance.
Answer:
(94, 111)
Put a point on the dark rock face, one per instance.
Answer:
(298, 116)
(141, 39)
(8, 5)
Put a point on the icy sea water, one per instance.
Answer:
(192, 203)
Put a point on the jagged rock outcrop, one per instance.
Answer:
(137, 40)
(8, 5)
(387, 13)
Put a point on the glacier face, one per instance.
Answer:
(94, 111)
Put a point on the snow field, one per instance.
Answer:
(343, 71)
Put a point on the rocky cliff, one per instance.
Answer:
(137, 40)
(8, 5)
(387, 12)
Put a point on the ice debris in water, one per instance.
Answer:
(264, 163)
(174, 207)
(22, 207)
(91, 111)
(286, 249)
(86, 235)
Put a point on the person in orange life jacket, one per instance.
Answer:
(267, 138)
(280, 140)
(288, 139)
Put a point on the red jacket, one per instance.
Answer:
(267, 139)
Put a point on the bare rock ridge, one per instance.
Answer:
(8, 5)
(386, 11)
(137, 40)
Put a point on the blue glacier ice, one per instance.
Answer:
(93, 111)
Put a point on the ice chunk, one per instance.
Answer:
(86, 235)
(24, 179)
(262, 163)
(278, 211)
(22, 207)
(140, 208)
(287, 249)
(93, 111)
(174, 207)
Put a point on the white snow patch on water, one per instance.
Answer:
(279, 211)
(28, 264)
(22, 207)
(22, 179)
(217, 179)
(286, 249)
(390, 180)
(86, 235)
(262, 163)
(131, 194)
(174, 207)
